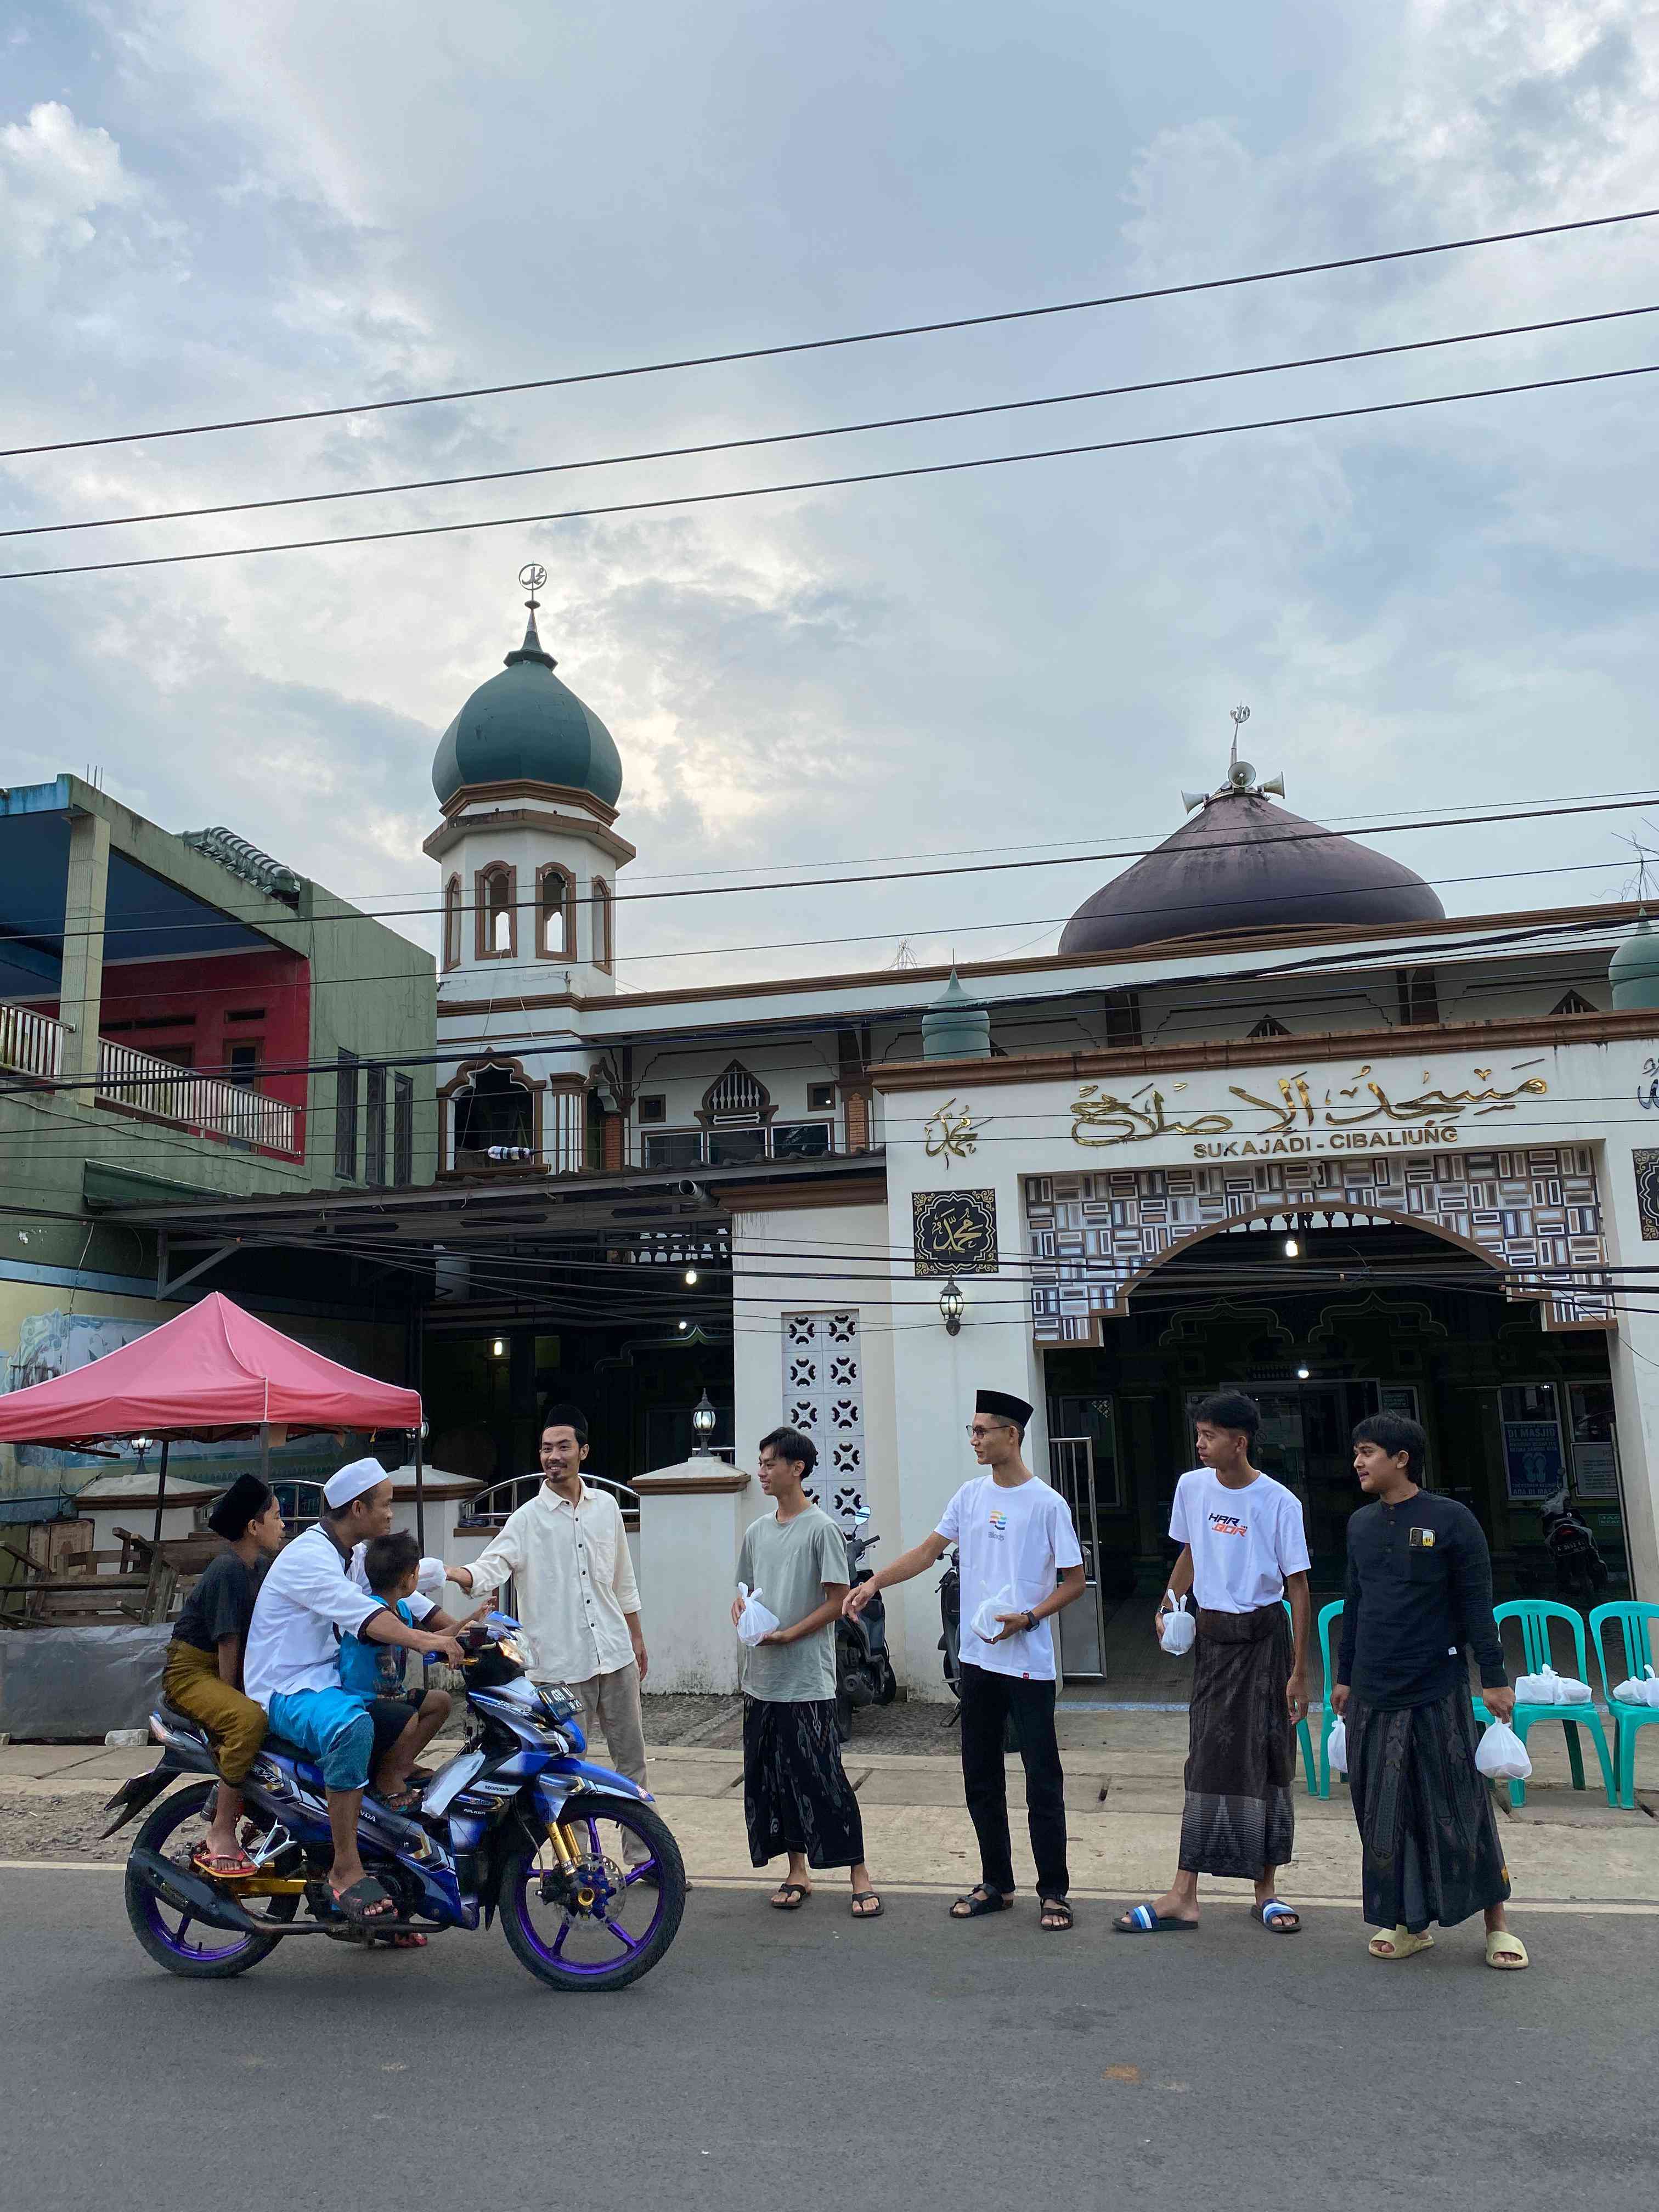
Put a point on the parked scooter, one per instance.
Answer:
(864, 1668)
(950, 1642)
(1580, 1571)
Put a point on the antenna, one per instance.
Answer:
(1237, 716)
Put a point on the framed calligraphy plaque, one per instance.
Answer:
(1647, 1193)
(956, 1231)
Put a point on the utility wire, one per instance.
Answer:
(852, 338)
(830, 484)
(833, 430)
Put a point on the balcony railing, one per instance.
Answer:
(32, 1046)
(143, 1085)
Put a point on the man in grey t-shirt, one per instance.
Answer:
(796, 1796)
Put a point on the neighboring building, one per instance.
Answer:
(183, 1017)
(1268, 1117)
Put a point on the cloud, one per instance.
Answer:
(56, 174)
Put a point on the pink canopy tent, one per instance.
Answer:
(209, 1373)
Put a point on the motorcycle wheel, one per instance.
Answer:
(843, 1717)
(631, 1921)
(886, 1683)
(163, 1930)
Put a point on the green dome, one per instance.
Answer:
(1633, 970)
(524, 726)
(955, 1027)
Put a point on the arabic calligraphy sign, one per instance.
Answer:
(951, 1132)
(956, 1231)
(1357, 1115)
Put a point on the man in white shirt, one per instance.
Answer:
(1019, 1560)
(1243, 1552)
(578, 1601)
(291, 1665)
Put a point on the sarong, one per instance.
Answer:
(1239, 1816)
(796, 1796)
(1430, 1836)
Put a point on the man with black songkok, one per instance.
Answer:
(1020, 1564)
(202, 1676)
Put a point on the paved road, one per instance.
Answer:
(976, 2066)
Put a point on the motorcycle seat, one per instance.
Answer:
(181, 1723)
(305, 1768)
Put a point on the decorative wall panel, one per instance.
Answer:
(1647, 1193)
(1531, 1208)
(824, 1398)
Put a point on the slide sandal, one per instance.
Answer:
(1278, 1917)
(1506, 1953)
(978, 1902)
(1146, 1920)
(357, 1904)
(1401, 1944)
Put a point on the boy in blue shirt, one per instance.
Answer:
(374, 1672)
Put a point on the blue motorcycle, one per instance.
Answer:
(583, 1871)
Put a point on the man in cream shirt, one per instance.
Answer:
(578, 1601)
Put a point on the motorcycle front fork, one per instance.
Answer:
(571, 1879)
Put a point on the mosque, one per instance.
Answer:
(1267, 1117)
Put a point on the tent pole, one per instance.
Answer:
(420, 1490)
(265, 1453)
(160, 1488)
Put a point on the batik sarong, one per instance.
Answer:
(1426, 1825)
(1241, 1759)
(796, 1796)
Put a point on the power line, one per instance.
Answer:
(833, 430)
(853, 338)
(830, 484)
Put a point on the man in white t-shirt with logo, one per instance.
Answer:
(1243, 1552)
(1019, 1562)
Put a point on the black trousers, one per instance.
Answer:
(988, 1702)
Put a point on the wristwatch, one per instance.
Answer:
(1030, 1622)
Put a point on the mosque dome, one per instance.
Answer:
(1243, 863)
(524, 726)
(1633, 969)
(955, 1027)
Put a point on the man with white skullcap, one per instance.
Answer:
(292, 1666)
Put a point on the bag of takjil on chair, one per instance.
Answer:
(755, 1620)
(1501, 1756)
(1549, 1688)
(1635, 1692)
(1178, 1629)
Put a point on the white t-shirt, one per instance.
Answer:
(1019, 1538)
(1243, 1542)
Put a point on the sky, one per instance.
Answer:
(208, 212)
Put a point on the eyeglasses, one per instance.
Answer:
(979, 1434)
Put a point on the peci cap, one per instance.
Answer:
(351, 1482)
(1002, 1407)
(244, 1502)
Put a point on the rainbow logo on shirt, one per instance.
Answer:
(998, 1522)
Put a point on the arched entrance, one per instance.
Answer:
(1323, 1321)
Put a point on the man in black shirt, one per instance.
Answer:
(1419, 1590)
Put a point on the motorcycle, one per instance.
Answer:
(864, 1667)
(1580, 1569)
(584, 1873)
(950, 1642)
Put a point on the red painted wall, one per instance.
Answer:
(195, 997)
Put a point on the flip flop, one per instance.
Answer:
(1146, 1920)
(356, 1904)
(1506, 1953)
(789, 1897)
(1273, 1915)
(1401, 1944)
(863, 1898)
(1055, 1917)
(221, 1866)
(980, 1901)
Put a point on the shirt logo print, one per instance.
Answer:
(998, 1523)
(1228, 1524)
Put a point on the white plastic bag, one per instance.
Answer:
(1635, 1692)
(1501, 1756)
(1549, 1688)
(755, 1620)
(985, 1623)
(1179, 1628)
(1336, 1749)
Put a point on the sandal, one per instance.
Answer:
(1401, 1944)
(1278, 1917)
(221, 1866)
(406, 1938)
(1506, 1951)
(979, 1901)
(364, 1903)
(789, 1897)
(1056, 1916)
(1147, 1920)
(866, 1905)
(399, 1800)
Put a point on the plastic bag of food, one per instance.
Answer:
(1501, 1756)
(1178, 1629)
(985, 1623)
(755, 1620)
(1336, 1748)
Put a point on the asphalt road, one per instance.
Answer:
(772, 2064)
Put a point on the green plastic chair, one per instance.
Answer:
(1635, 1622)
(1535, 1615)
(1328, 1616)
(1303, 1733)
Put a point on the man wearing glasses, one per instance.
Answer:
(1020, 1564)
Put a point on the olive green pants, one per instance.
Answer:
(191, 1684)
